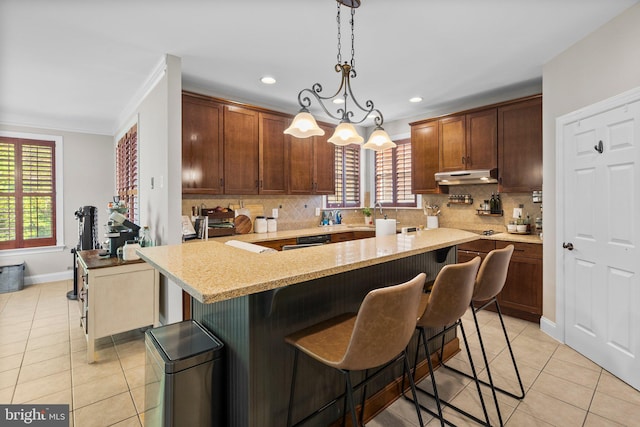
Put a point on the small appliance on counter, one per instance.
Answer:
(119, 229)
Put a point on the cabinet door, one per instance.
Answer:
(424, 157)
(202, 148)
(520, 146)
(452, 144)
(324, 181)
(482, 139)
(241, 150)
(273, 154)
(300, 165)
(522, 292)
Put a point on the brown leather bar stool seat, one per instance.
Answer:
(375, 337)
(489, 283)
(442, 310)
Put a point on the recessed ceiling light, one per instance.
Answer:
(268, 80)
(415, 99)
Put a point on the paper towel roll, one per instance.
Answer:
(385, 227)
(249, 247)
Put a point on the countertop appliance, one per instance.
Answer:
(87, 217)
(119, 231)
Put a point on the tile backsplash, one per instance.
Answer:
(296, 212)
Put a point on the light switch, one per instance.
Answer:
(317, 211)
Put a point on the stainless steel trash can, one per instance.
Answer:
(11, 276)
(184, 376)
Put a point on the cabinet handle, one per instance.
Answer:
(468, 160)
(463, 160)
(221, 182)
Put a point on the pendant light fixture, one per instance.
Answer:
(304, 124)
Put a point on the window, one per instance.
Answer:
(347, 171)
(393, 176)
(127, 172)
(27, 193)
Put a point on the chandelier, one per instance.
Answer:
(304, 124)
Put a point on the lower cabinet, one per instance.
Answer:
(521, 296)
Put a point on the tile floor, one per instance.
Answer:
(42, 360)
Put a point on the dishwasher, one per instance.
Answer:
(307, 241)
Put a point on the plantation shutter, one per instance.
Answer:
(384, 177)
(347, 177)
(403, 175)
(127, 172)
(393, 176)
(27, 193)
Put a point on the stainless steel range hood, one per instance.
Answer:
(465, 177)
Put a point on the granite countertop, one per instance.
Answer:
(211, 271)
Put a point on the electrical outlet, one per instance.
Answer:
(317, 211)
(274, 213)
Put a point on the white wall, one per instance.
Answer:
(159, 116)
(603, 64)
(88, 179)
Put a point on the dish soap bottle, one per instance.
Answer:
(145, 237)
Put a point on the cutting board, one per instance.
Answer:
(254, 210)
(242, 224)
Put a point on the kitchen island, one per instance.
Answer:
(251, 301)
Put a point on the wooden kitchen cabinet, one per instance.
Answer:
(452, 143)
(312, 162)
(241, 150)
(469, 141)
(115, 296)
(424, 157)
(202, 148)
(482, 139)
(520, 146)
(273, 154)
(521, 295)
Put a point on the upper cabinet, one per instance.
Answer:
(482, 139)
(520, 146)
(273, 165)
(452, 143)
(506, 136)
(424, 157)
(469, 141)
(241, 150)
(228, 148)
(202, 149)
(311, 162)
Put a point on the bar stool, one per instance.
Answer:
(489, 283)
(443, 308)
(377, 335)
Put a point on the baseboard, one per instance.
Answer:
(550, 328)
(50, 277)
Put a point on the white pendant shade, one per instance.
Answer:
(304, 126)
(345, 134)
(379, 141)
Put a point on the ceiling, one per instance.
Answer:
(78, 64)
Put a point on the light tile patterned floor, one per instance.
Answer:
(42, 360)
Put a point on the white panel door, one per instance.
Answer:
(601, 233)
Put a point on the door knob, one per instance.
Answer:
(568, 246)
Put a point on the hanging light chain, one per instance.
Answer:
(353, 38)
(339, 35)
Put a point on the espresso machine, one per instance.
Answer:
(119, 230)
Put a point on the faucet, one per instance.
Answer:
(377, 205)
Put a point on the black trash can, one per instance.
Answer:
(184, 376)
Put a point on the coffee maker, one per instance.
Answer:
(119, 231)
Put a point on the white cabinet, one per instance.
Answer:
(115, 296)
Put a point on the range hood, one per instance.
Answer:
(465, 177)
